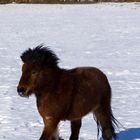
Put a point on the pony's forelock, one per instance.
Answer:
(40, 55)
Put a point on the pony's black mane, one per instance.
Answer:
(40, 55)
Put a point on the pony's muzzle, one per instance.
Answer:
(21, 91)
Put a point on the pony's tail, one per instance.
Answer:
(98, 127)
(113, 126)
(116, 125)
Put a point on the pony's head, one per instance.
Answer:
(34, 62)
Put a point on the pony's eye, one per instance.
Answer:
(34, 72)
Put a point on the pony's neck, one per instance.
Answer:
(50, 78)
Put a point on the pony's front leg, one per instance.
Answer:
(75, 129)
(50, 129)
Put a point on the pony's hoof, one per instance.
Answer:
(60, 138)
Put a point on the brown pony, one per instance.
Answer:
(66, 94)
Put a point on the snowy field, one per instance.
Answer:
(106, 36)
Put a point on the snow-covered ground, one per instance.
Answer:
(106, 36)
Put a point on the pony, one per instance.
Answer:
(66, 94)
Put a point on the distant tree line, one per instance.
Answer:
(63, 1)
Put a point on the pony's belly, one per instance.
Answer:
(80, 111)
(76, 116)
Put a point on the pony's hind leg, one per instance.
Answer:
(75, 129)
(104, 120)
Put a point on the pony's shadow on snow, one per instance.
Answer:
(128, 134)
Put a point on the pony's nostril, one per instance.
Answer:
(20, 89)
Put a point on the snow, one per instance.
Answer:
(106, 36)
